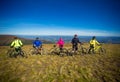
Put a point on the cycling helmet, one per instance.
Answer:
(75, 35)
(37, 38)
(15, 37)
(93, 37)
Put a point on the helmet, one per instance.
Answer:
(15, 37)
(37, 38)
(93, 37)
(75, 35)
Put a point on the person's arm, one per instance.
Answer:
(97, 42)
(12, 44)
(40, 42)
(20, 42)
(91, 42)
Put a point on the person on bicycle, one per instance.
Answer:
(37, 44)
(60, 43)
(17, 44)
(75, 42)
(93, 44)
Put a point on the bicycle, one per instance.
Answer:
(13, 53)
(58, 51)
(98, 50)
(38, 51)
(81, 51)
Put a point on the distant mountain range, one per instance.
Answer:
(28, 39)
(55, 38)
(7, 39)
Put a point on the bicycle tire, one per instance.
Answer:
(82, 50)
(71, 52)
(90, 52)
(102, 51)
(23, 54)
(32, 51)
(10, 53)
(63, 52)
(44, 51)
(54, 51)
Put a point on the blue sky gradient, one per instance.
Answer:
(60, 17)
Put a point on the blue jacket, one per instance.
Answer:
(37, 43)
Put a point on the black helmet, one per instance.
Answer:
(75, 35)
(15, 37)
(37, 38)
(93, 37)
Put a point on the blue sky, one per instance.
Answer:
(60, 17)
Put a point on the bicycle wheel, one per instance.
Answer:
(102, 51)
(71, 52)
(82, 50)
(51, 51)
(32, 51)
(54, 51)
(44, 51)
(10, 53)
(90, 51)
(63, 52)
(23, 54)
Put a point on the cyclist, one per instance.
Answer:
(93, 44)
(60, 43)
(17, 44)
(37, 44)
(75, 42)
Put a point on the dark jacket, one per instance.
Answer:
(75, 41)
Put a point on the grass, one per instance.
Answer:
(53, 68)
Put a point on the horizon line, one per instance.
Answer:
(58, 35)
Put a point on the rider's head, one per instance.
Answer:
(15, 37)
(93, 37)
(75, 35)
(37, 38)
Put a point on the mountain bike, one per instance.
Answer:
(98, 50)
(38, 51)
(58, 51)
(81, 51)
(13, 53)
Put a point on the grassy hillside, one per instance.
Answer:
(51, 68)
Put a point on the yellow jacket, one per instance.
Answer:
(94, 43)
(16, 43)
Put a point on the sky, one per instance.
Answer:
(60, 17)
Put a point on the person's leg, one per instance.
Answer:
(76, 47)
(61, 47)
(73, 47)
(89, 51)
(38, 49)
(16, 53)
(20, 52)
